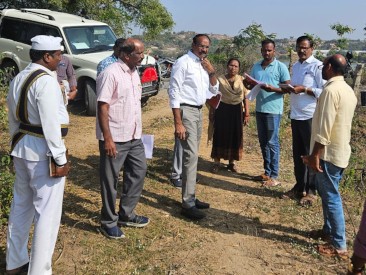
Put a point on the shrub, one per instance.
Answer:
(6, 173)
(6, 188)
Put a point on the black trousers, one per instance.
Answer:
(301, 134)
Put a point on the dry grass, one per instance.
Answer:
(249, 230)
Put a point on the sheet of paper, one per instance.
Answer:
(254, 92)
(80, 45)
(251, 80)
(148, 141)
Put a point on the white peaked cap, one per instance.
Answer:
(46, 43)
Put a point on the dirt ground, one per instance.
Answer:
(248, 229)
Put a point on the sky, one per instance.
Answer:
(286, 18)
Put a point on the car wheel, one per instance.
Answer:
(9, 71)
(144, 101)
(90, 97)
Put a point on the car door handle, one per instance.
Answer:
(19, 48)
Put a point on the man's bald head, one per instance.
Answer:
(338, 64)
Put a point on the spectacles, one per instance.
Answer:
(302, 48)
(202, 46)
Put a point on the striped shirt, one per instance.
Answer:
(121, 88)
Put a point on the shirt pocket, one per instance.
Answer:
(308, 79)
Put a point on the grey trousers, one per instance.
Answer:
(177, 160)
(192, 121)
(130, 156)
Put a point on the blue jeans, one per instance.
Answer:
(327, 185)
(268, 126)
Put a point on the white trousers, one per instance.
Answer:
(37, 198)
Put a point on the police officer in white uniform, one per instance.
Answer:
(36, 112)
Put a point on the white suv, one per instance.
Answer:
(86, 43)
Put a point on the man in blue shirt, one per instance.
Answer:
(269, 108)
(112, 58)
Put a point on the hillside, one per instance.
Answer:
(177, 43)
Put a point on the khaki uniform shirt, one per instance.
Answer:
(332, 121)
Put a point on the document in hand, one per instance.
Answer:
(214, 101)
(253, 92)
(250, 80)
(286, 86)
(148, 141)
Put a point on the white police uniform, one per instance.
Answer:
(37, 196)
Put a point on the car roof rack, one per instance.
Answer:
(50, 17)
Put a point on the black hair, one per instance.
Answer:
(128, 47)
(231, 59)
(304, 38)
(268, 41)
(36, 55)
(195, 38)
(119, 41)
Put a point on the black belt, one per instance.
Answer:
(193, 106)
(35, 129)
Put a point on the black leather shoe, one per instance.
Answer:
(193, 213)
(201, 204)
(176, 183)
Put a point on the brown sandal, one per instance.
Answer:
(330, 251)
(271, 183)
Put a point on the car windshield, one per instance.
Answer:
(88, 39)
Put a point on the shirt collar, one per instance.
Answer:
(270, 64)
(193, 56)
(124, 66)
(39, 66)
(333, 79)
(310, 59)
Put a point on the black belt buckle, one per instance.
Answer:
(193, 106)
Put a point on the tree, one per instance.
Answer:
(342, 42)
(244, 46)
(150, 15)
(251, 35)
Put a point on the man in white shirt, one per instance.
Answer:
(308, 85)
(192, 77)
(36, 112)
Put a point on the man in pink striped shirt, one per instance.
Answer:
(119, 129)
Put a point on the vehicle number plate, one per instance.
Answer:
(146, 84)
